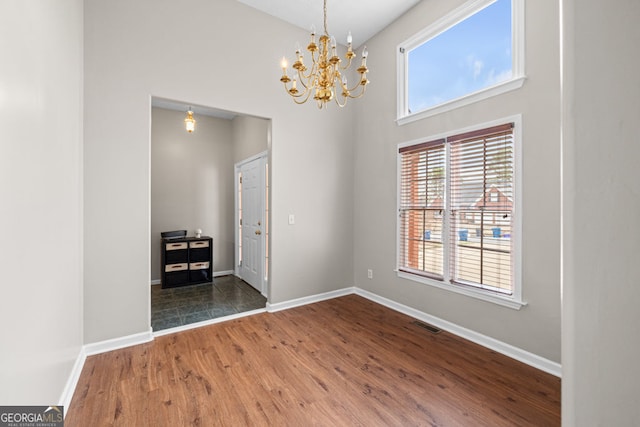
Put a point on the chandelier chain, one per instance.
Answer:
(325, 18)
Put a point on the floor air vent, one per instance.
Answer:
(428, 327)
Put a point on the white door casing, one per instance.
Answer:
(251, 205)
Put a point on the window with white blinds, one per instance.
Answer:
(456, 207)
(421, 207)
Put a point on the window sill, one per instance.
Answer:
(500, 88)
(505, 301)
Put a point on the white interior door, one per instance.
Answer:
(251, 211)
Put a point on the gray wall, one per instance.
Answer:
(41, 193)
(536, 327)
(250, 137)
(41, 186)
(601, 201)
(310, 171)
(192, 183)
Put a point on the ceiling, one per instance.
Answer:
(364, 18)
(198, 110)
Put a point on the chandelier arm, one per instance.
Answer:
(358, 84)
(352, 89)
(307, 88)
(346, 67)
(308, 92)
(314, 60)
(338, 102)
(309, 81)
(360, 94)
(312, 72)
(304, 93)
(304, 85)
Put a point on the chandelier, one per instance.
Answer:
(325, 79)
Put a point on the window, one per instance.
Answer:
(472, 247)
(472, 53)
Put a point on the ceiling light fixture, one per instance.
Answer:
(325, 78)
(189, 121)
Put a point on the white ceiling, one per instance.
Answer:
(364, 18)
(198, 110)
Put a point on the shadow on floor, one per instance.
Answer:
(190, 304)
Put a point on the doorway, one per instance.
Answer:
(192, 188)
(252, 231)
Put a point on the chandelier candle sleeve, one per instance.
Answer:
(325, 77)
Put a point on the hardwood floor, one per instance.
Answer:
(342, 362)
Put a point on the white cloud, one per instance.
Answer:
(497, 77)
(478, 65)
(475, 65)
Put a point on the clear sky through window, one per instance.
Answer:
(470, 56)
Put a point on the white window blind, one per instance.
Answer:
(421, 207)
(456, 209)
(482, 188)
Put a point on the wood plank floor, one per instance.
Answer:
(342, 362)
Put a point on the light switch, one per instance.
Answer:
(292, 219)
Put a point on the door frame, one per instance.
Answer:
(264, 158)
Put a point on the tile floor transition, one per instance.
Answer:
(195, 303)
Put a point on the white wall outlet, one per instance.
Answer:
(292, 219)
(370, 274)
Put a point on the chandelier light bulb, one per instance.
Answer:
(190, 122)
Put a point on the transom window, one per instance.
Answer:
(474, 52)
(458, 225)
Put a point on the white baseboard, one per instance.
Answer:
(72, 381)
(156, 282)
(222, 273)
(519, 354)
(116, 343)
(271, 308)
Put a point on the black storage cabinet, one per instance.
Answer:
(186, 260)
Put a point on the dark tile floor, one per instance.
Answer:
(189, 304)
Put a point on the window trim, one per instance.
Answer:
(513, 301)
(441, 25)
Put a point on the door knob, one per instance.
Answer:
(258, 232)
